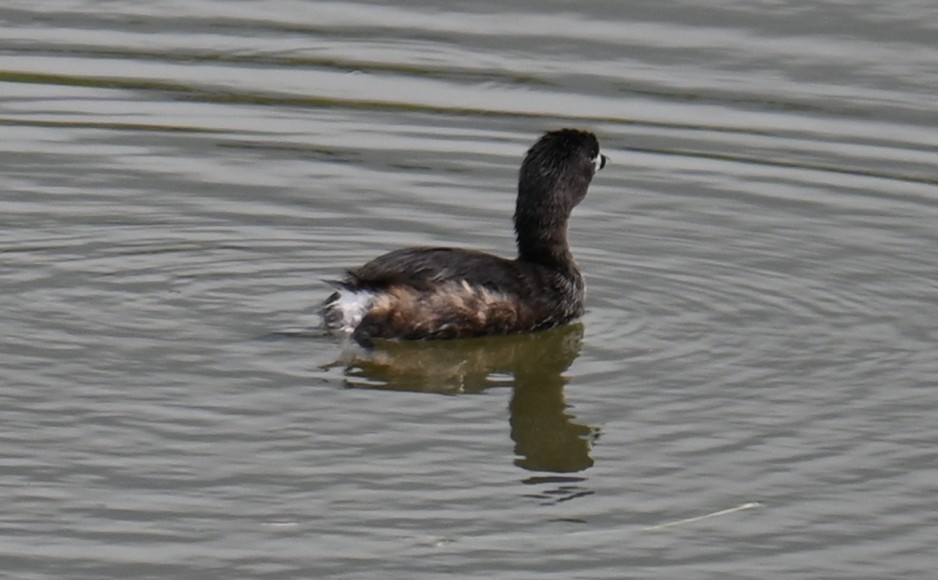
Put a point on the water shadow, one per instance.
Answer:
(547, 437)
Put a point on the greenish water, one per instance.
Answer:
(751, 393)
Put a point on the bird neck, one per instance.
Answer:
(546, 245)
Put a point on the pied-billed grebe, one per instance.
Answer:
(440, 293)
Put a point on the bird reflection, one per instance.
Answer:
(546, 436)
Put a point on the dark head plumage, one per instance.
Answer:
(554, 178)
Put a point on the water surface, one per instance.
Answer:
(751, 393)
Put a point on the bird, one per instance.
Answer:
(437, 293)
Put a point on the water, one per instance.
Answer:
(751, 393)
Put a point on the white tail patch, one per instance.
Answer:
(345, 313)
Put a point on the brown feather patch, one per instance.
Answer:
(450, 310)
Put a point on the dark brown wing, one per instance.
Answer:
(423, 268)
